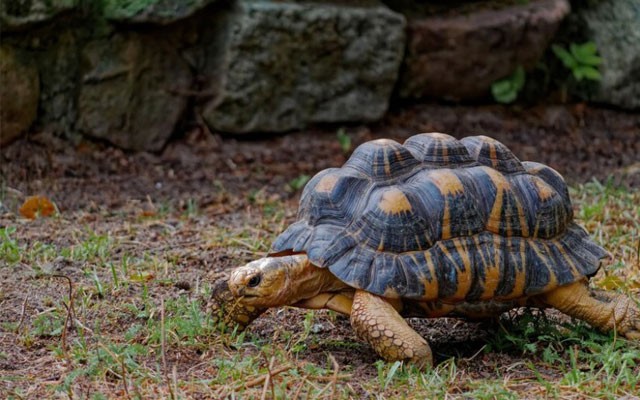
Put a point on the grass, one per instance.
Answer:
(136, 324)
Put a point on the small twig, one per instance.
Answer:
(23, 310)
(124, 378)
(254, 382)
(334, 379)
(268, 381)
(71, 309)
(260, 379)
(297, 393)
(117, 357)
(330, 378)
(477, 352)
(163, 338)
(174, 373)
(150, 202)
(83, 326)
(64, 335)
(46, 311)
(69, 318)
(163, 349)
(638, 255)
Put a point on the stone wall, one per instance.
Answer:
(130, 71)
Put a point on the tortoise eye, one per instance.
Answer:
(254, 281)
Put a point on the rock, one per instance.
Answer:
(290, 64)
(459, 56)
(19, 93)
(615, 27)
(58, 60)
(17, 15)
(131, 90)
(152, 11)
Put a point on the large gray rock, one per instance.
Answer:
(132, 90)
(152, 11)
(458, 56)
(16, 15)
(19, 92)
(615, 27)
(288, 64)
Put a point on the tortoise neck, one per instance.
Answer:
(305, 280)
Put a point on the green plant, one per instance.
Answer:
(299, 344)
(387, 372)
(581, 59)
(298, 183)
(48, 324)
(506, 90)
(9, 249)
(344, 140)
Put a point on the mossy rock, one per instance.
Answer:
(18, 15)
(130, 91)
(18, 94)
(152, 11)
(286, 65)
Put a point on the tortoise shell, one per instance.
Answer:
(441, 218)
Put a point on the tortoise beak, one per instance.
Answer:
(238, 281)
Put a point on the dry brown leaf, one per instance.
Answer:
(148, 213)
(37, 206)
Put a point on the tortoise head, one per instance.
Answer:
(270, 281)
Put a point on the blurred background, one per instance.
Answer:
(161, 82)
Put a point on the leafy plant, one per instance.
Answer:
(581, 59)
(9, 249)
(298, 183)
(506, 90)
(344, 140)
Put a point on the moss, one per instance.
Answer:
(25, 8)
(125, 9)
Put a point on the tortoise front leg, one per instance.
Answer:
(377, 322)
(602, 309)
(337, 302)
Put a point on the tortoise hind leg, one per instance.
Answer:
(379, 324)
(602, 309)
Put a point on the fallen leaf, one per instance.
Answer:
(613, 282)
(141, 277)
(149, 213)
(37, 206)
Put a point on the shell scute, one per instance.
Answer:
(490, 152)
(448, 200)
(382, 159)
(438, 150)
(332, 195)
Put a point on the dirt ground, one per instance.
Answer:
(241, 191)
(579, 141)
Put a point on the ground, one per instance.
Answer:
(107, 298)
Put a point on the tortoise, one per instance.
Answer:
(434, 227)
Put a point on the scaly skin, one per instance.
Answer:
(228, 309)
(379, 324)
(604, 310)
(281, 281)
(293, 280)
